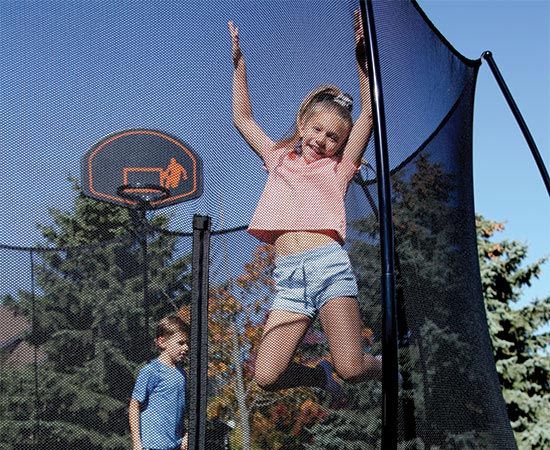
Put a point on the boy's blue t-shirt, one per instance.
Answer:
(160, 390)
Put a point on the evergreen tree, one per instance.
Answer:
(90, 320)
(521, 349)
(438, 361)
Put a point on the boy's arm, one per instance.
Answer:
(133, 415)
(185, 442)
(362, 128)
(242, 108)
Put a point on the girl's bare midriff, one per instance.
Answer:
(292, 242)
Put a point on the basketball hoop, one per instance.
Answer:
(143, 194)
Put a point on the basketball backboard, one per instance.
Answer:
(142, 162)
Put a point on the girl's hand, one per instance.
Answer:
(236, 48)
(360, 51)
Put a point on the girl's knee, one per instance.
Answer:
(267, 380)
(350, 374)
(350, 370)
(359, 369)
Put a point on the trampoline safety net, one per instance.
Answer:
(84, 283)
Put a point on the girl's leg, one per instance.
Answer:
(341, 321)
(283, 332)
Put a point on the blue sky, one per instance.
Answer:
(75, 72)
(507, 184)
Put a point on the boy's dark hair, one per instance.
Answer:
(170, 325)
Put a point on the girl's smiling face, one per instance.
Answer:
(324, 135)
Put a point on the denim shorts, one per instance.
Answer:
(305, 281)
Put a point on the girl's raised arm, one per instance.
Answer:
(360, 133)
(242, 109)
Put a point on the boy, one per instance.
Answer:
(158, 401)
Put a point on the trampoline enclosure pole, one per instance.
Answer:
(488, 56)
(199, 333)
(389, 320)
(143, 240)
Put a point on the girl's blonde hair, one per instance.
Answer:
(322, 98)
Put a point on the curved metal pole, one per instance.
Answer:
(389, 320)
(488, 56)
(403, 331)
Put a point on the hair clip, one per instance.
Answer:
(345, 100)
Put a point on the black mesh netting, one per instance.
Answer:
(82, 292)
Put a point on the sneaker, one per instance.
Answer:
(333, 387)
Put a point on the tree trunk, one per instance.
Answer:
(240, 389)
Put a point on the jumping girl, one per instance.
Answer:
(301, 211)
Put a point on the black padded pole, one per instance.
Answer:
(488, 56)
(389, 320)
(199, 333)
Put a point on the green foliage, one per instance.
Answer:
(90, 322)
(357, 427)
(443, 403)
(521, 349)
